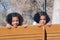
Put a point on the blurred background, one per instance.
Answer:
(27, 8)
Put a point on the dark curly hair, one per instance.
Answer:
(39, 14)
(14, 14)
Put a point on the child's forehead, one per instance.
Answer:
(15, 17)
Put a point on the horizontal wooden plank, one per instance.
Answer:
(53, 32)
(21, 33)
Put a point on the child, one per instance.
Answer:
(14, 19)
(41, 18)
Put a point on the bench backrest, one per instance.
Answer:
(30, 33)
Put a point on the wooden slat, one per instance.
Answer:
(53, 32)
(21, 33)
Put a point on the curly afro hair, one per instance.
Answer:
(39, 14)
(14, 14)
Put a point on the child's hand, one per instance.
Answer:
(39, 25)
(8, 26)
(49, 24)
(25, 26)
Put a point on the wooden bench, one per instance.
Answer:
(31, 33)
(21, 33)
